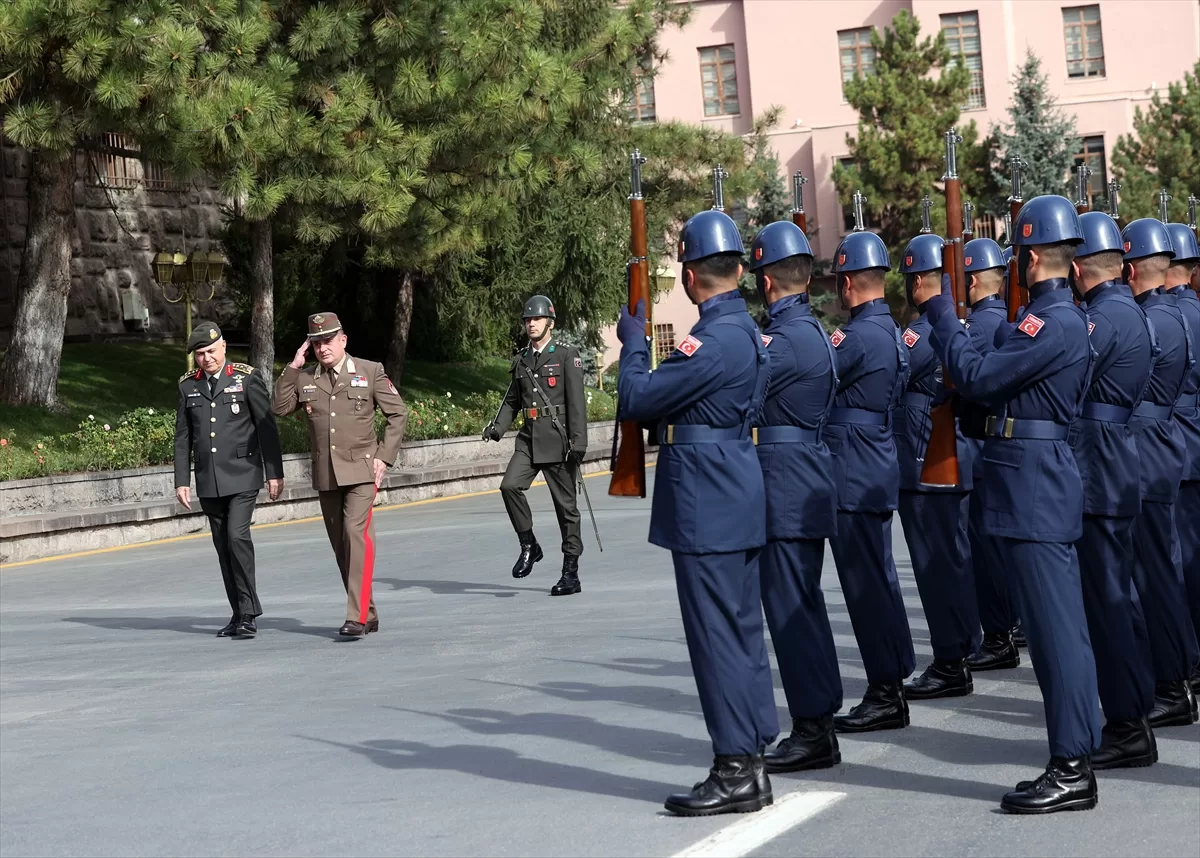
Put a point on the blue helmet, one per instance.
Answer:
(777, 241)
(1146, 236)
(1183, 241)
(1047, 219)
(860, 251)
(980, 254)
(708, 234)
(924, 253)
(1100, 234)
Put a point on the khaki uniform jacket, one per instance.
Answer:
(341, 419)
(559, 374)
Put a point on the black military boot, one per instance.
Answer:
(231, 629)
(531, 553)
(941, 679)
(568, 584)
(1174, 704)
(1065, 785)
(733, 786)
(1126, 745)
(760, 776)
(1018, 636)
(1195, 681)
(883, 707)
(812, 745)
(998, 652)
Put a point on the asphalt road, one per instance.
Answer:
(485, 718)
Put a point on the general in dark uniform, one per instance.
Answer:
(547, 390)
(224, 424)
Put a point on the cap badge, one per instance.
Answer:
(212, 333)
(1027, 230)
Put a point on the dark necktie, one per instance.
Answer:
(212, 386)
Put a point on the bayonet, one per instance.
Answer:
(1114, 188)
(798, 183)
(1082, 173)
(860, 222)
(968, 220)
(719, 175)
(1016, 166)
(926, 224)
(1163, 199)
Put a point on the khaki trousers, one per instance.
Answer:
(348, 521)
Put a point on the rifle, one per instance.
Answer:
(1016, 296)
(799, 218)
(1192, 200)
(719, 176)
(1163, 199)
(629, 446)
(1114, 188)
(1082, 173)
(968, 223)
(941, 454)
(926, 205)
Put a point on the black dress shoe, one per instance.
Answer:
(1065, 785)
(941, 679)
(883, 707)
(811, 745)
(998, 652)
(531, 553)
(247, 628)
(1174, 704)
(733, 786)
(1018, 636)
(352, 629)
(1126, 745)
(372, 626)
(231, 629)
(568, 584)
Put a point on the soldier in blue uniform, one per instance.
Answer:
(1162, 451)
(934, 516)
(1180, 277)
(1033, 499)
(801, 498)
(709, 508)
(872, 369)
(1107, 455)
(987, 269)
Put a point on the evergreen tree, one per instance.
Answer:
(771, 202)
(1165, 153)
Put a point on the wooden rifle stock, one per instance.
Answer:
(941, 467)
(799, 218)
(629, 459)
(1017, 297)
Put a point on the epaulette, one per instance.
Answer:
(187, 375)
(242, 367)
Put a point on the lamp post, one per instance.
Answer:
(190, 276)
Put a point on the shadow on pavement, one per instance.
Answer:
(460, 588)
(654, 697)
(200, 625)
(873, 777)
(966, 749)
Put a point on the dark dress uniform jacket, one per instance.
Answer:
(1187, 408)
(558, 393)
(798, 476)
(232, 436)
(1161, 445)
(708, 497)
(988, 315)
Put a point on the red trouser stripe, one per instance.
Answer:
(364, 595)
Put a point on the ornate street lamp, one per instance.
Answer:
(188, 277)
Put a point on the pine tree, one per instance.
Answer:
(1165, 153)
(771, 202)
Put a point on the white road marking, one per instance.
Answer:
(756, 829)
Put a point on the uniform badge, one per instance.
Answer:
(308, 408)
(392, 388)
(552, 381)
(1127, 246)
(1031, 325)
(908, 259)
(967, 261)
(1027, 230)
(235, 408)
(841, 259)
(689, 345)
(212, 333)
(758, 253)
(836, 337)
(239, 378)
(766, 340)
(358, 381)
(578, 363)
(1091, 327)
(911, 337)
(234, 388)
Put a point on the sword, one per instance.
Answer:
(587, 500)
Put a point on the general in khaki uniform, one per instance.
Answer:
(340, 396)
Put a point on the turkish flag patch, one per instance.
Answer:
(1027, 230)
(766, 340)
(836, 337)
(1031, 325)
(908, 259)
(689, 345)
(1091, 327)
(841, 259)
(758, 253)
(1127, 246)
(911, 337)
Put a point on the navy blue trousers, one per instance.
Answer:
(719, 596)
(1049, 595)
(1158, 574)
(935, 527)
(1187, 524)
(862, 550)
(799, 624)
(1119, 642)
(993, 594)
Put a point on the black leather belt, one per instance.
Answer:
(698, 433)
(541, 413)
(1032, 430)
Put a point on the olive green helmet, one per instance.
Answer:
(537, 307)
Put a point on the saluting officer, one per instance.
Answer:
(340, 396)
(987, 270)
(1107, 455)
(1034, 499)
(224, 423)
(801, 498)
(934, 516)
(1157, 570)
(547, 390)
(1180, 277)
(709, 508)
(872, 368)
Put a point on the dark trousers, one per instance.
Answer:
(993, 594)
(862, 551)
(1187, 524)
(719, 598)
(935, 527)
(1123, 668)
(1049, 596)
(560, 478)
(795, 607)
(229, 518)
(1158, 574)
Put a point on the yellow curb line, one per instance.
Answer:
(170, 539)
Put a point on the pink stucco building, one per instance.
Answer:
(737, 57)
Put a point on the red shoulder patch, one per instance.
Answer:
(689, 345)
(766, 340)
(1091, 327)
(836, 337)
(199, 374)
(1031, 325)
(910, 337)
